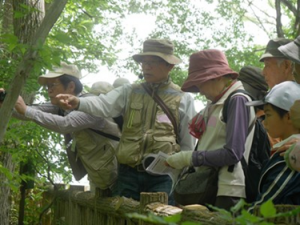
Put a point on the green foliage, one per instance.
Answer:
(154, 219)
(91, 33)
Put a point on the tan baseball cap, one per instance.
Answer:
(64, 68)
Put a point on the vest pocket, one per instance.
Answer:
(129, 151)
(165, 144)
(135, 115)
(101, 165)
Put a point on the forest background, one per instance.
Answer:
(100, 37)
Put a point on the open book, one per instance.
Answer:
(155, 164)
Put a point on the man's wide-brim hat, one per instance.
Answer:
(64, 69)
(158, 47)
(206, 65)
(272, 49)
(292, 50)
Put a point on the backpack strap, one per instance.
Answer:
(225, 117)
(117, 120)
(110, 136)
(161, 103)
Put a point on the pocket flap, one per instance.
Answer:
(135, 105)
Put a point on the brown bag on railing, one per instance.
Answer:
(77, 167)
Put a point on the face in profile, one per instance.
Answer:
(274, 124)
(274, 71)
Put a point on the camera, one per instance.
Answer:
(2, 96)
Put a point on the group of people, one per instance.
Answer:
(158, 115)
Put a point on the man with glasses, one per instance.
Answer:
(95, 151)
(147, 128)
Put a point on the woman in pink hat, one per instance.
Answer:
(221, 144)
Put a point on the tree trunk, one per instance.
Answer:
(24, 28)
(5, 203)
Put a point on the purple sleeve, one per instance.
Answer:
(236, 134)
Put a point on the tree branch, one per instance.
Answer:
(290, 6)
(297, 20)
(278, 19)
(257, 17)
(26, 65)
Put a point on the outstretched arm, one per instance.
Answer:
(67, 101)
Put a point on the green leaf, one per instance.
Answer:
(173, 218)
(18, 14)
(267, 209)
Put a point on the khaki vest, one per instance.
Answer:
(97, 154)
(147, 129)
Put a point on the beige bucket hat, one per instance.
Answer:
(101, 87)
(158, 47)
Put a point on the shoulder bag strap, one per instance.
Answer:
(110, 136)
(161, 103)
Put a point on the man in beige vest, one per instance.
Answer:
(95, 151)
(147, 128)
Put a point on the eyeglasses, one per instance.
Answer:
(51, 86)
(151, 63)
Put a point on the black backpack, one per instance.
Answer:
(259, 152)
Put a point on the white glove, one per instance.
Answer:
(180, 160)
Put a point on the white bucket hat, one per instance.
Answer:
(64, 68)
(158, 47)
(101, 87)
(292, 50)
(282, 95)
(120, 81)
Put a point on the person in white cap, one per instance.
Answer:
(95, 151)
(278, 182)
(147, 127)
(291, 51)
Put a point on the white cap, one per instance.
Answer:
(282, 95)
(120, 81)
(101, 87)
(64, 68)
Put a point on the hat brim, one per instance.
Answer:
(171, 59)
(266, 55)
(255, 103)
(291, 51)
(195, 78)
(43, 79)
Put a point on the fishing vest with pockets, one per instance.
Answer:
(97, 153)
(147, 129)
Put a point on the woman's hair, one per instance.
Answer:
(281, 112)
(230, 76)
(66, 79)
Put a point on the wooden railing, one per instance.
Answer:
(77, 207)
